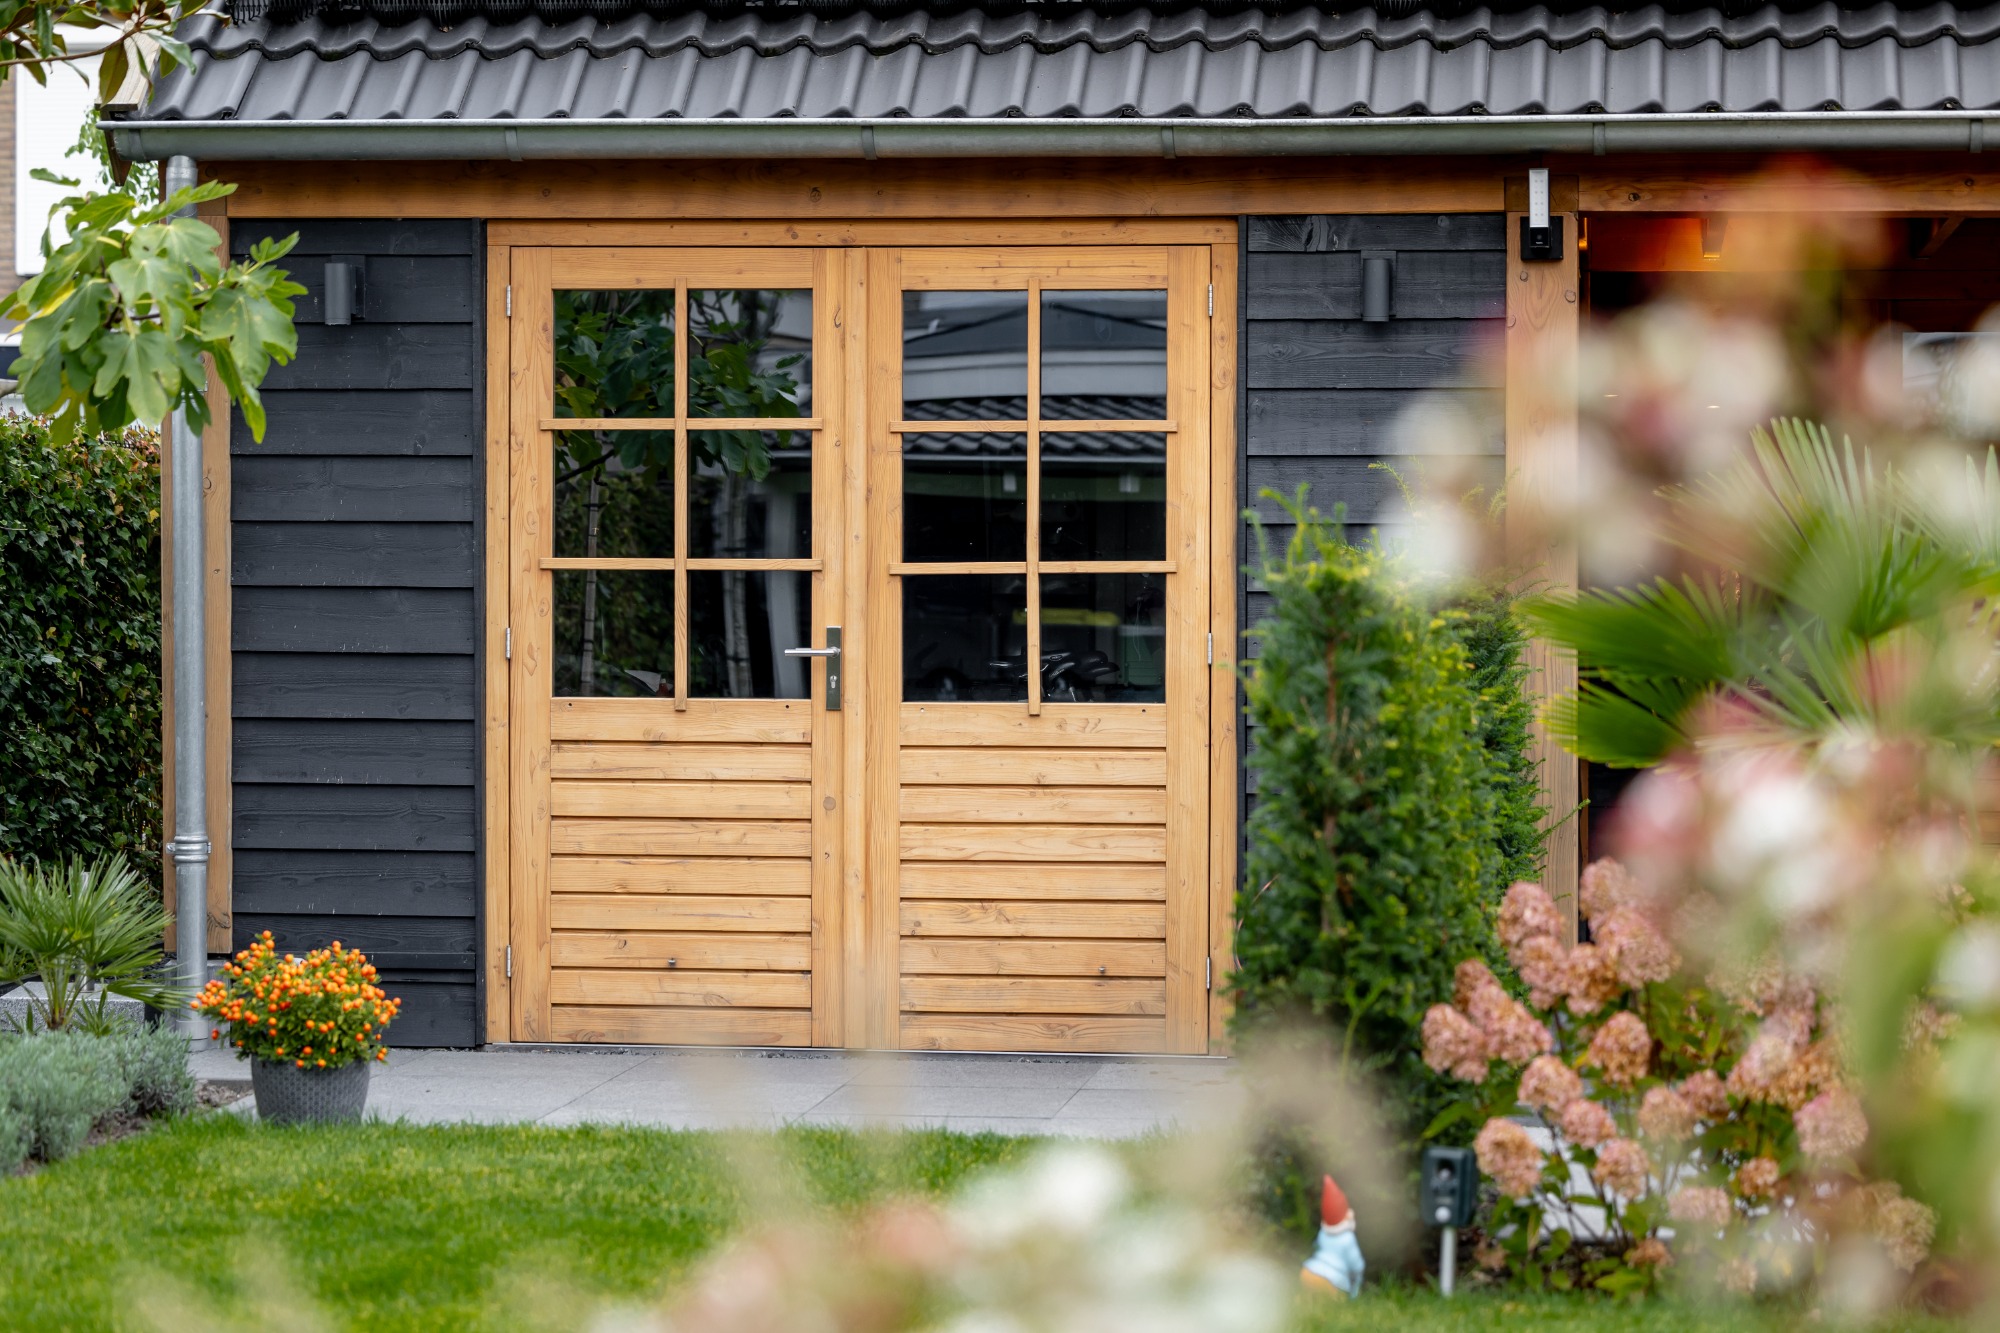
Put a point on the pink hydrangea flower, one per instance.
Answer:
(1606, 886)
(1906, 1229)
(1704, 1091)
(1831, 1125)
(1453, 1045)
(1544, 966)
(1586, 1124)
(1508, 1154)
(1548, 1085)
(1758, 1178)
(1701, 1205)
(1622, 1050)
(1639, 954)
(1526, 912)
(1623, 1168)
(1512, 1033)
(1469, 980)
(1651, 1252)
(1590, 979)
(1665, 1116)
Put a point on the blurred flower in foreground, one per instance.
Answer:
(1069, 1243)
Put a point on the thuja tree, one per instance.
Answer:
(1374, 848)
(1484, 617)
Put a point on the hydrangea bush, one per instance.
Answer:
(1660, 1119)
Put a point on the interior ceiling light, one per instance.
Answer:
(1713, 230)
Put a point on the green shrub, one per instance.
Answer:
(14, 1137)
(80, 645)
(61, 1084)
(153, 1063)
(1494, 637)
(1373, 844)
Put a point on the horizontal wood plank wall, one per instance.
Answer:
(1328, 397)
(1033, 878)
(354, 639)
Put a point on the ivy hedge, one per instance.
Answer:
(79, 644)
(1395, 801)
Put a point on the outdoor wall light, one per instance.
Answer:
(1713, 231)
(1377, 271)
(1541, 233)
(342, 300)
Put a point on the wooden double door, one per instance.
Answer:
(859, 678)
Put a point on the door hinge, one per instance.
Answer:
(510, 300)
(1211, 647)
(507, 643)
(1211, 300)
(1208, 973)
(510, 961)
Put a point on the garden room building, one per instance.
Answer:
(750, 550)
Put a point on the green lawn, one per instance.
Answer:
(211, 1223)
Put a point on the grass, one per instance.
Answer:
(402, 1227)
(212, 1223)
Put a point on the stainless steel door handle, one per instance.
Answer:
(832, 655)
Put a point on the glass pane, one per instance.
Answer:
(739, 625)
(1104, 638)
(749, 353)
(1104, 496)
(614, 493)
(965, 497)
(615, 353)
(965, 356)
(750, 494)
(964, 637)
(614, 632)
(1104, 356)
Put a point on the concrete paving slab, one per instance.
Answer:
(692, 1089)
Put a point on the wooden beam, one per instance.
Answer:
(218, 737)
(1543, 329)
(1928, 235)
(1224, 779)
(495, 864)
(813, 193)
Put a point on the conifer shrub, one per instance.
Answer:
(1385, 825)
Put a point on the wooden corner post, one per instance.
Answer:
(1544, 305)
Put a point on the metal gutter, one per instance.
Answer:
(528, 140)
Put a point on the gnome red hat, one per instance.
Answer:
(1332, 1204)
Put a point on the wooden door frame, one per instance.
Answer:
(843, 289)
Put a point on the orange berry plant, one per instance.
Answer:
(321, 1011)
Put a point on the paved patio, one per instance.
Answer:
(1100, 1097)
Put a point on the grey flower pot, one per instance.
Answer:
(288, 1095)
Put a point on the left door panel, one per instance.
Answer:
(673, 499)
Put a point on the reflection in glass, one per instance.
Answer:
(739, 624)
(965, 356)
(749, 353)
(614, 353)
(1104, 496)
(1104, 356)
(1104, 638)
(614, 493)
(614, 633)
(965, 497)
(750, 494)
(964, 637)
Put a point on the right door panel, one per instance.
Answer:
(1038, 613)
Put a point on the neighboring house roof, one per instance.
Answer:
(1178, 64)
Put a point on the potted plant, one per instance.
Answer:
(309, 1026)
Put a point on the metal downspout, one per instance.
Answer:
(189, 847)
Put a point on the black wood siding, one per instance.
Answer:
(1324, 393)
(354, 559)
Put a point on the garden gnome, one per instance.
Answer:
(1336, 1263)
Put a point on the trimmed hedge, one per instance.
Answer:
(80, 645)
